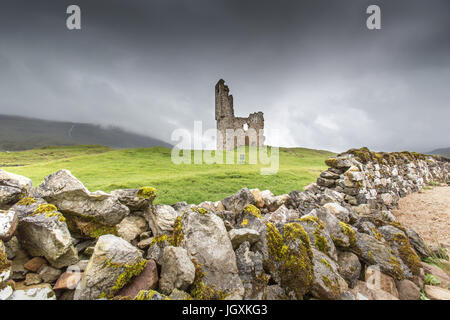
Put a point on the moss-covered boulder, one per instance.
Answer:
(318, 235)
(114, 263)
(289, 258)
(43, 232)
(327, 283)
(401, 245)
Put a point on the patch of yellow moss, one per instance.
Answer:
(293, 265)
(148, 295)
(49, 211)
(349, 232)
(159, 240)
(321, 242)
(332, 285)
(201, 291)
(252, 210)
(327, 264)
(313, 220)
(377, 234)
(146, 193)
(331, 162)
(407, 253)
(398, 271)
(199, 210)
(27, 201)
(100, 231)
(4, 262)
(244, 222)
(177, 235)
(129, 272)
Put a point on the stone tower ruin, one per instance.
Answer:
(233, 132)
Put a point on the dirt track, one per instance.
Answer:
(428, 213)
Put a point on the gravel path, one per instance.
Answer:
(428, 213)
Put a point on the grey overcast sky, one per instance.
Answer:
(322, 79)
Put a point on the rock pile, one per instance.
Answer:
(335, 240)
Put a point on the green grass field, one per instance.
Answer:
(102, 168)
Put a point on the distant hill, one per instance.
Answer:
(443, 152)
(21, 133)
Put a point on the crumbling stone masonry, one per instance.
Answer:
(234, 131)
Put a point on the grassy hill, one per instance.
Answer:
(21, 133)
(102, 168)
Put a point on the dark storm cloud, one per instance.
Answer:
(320, 76)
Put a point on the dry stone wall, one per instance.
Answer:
(372, 180)
(333, 240)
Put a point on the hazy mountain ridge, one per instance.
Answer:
(442, 151)
(21, 133)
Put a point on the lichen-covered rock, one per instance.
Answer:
(131, 227)
(12, 188)
(275, 292)
(146, 280)
(327, 283)
(418, 243)
(135, 199)
(374, 252)
(150, 295)
(349, 267)
(43, 232)
(318, 235)
(399, 242)
(289, 258)
(156, 248)
(342, 234)
(114, 263)
(177, 271)
(73, 198)
(236, 202)
(251, 272)
(9, 221)
(206, 240)
(179, 295)
(161, 219)
(238, 236)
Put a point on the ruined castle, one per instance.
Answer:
(234, 131)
